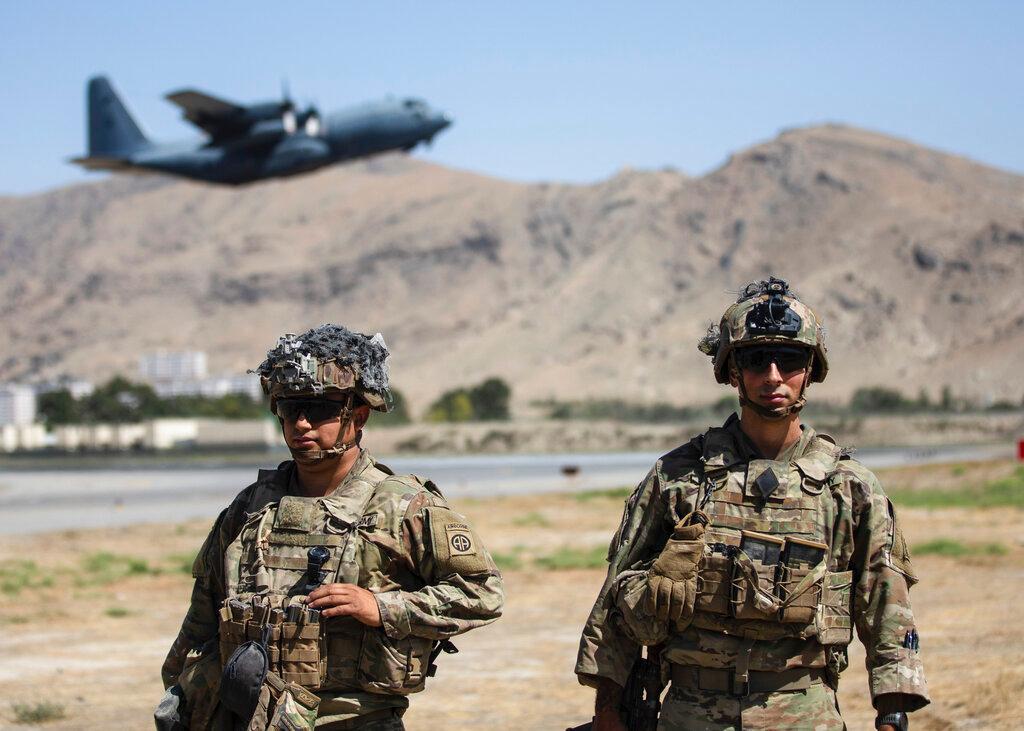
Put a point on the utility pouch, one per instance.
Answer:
(833, 621)
(200, 685)
(753, 578)
(294, 707)
(388, 665)
(301, 659)
(799, 559)
(714, 578)
(242, 681)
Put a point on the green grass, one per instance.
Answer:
(104, 567)
(507, 561)
(618, 493)
(38, 712)
(18, 575)
(116, 612)
(181, 563)
(573, 558)
(1007, 492)
(533, 519)
(955, 549)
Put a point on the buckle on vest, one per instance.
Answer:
(739, 688)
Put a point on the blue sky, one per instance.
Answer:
(539, 90)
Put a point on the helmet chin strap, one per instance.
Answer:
(781, 412)
(317, 455)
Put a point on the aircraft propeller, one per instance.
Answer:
(310, 120)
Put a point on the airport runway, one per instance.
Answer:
(44, 500)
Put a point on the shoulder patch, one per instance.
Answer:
(456, 547)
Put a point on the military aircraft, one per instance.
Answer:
(249, 142)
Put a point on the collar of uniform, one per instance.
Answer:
(747, 450)
(281, 479)
(363, 464)
(348, 501)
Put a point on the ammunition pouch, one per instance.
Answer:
(833, 622)
(293, 649)
(337, 654)
(799, 608)
(752, 590)
(743, 586)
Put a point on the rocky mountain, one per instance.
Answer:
(913, 258)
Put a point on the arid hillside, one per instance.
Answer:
(913, 258)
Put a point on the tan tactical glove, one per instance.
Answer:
(672, 580)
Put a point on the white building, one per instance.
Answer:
(185, 374)
(17, 404)
(78, 388)
(188, 365)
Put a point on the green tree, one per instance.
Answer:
(399, 413)
(489, 400)
(58, 407)
(946, 402)
(120, 400)
(452, 405)
(878, 399)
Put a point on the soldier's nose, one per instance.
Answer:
(772, 375)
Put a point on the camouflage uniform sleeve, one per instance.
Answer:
(617, 624)
(883, 575)
(201, 622)
(463, 587)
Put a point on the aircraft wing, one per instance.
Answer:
(214, 116)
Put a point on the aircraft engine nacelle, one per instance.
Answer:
(267, 132)
(296, 154)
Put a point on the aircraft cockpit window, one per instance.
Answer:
(416, 106)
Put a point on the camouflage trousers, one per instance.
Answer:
(390, 720)
(691, 709)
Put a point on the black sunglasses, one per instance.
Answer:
(315, 410)
(757, 360)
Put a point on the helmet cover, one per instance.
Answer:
(328, 358)
(766, 312)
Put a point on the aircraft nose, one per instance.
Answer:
(443, 120)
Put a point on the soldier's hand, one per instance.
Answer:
(672, 582)
(346, 600)
(608, 721)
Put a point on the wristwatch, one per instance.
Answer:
(897, 720)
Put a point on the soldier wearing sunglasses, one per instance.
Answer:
(326, 590)
(749, 556)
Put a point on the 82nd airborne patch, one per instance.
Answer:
(460, 540)
(456, 547)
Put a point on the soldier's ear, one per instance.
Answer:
(360, 416)
(734, 373)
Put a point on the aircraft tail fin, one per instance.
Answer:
(112, 131)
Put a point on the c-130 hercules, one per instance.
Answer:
(252, 142)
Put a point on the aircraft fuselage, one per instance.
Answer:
(252, 143)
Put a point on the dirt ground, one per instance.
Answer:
(87, 623)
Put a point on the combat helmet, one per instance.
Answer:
(328, 359)
(766, 312)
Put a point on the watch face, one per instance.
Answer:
(897, 720)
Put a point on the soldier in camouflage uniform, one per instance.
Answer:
(398, 571)
(747, 556)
